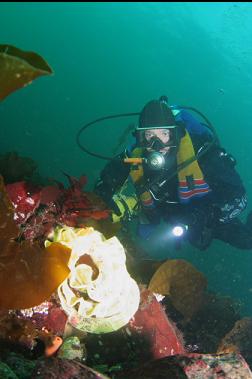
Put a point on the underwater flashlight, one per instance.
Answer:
(179, 230)
(154, 160)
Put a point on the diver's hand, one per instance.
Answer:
(123, 207)
(113, 206)
(201, 223)
(201, 237)
(205, 217)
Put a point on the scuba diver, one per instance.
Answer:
(181, 176)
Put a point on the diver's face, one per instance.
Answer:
(162, 134)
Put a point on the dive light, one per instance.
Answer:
(154, 160)
(179, 230)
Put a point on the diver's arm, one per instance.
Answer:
(229, 194)
(112, 177)
(226, 201)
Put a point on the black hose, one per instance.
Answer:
(94, 122)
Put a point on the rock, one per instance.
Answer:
(239, 339)
(55, 368)
(72, 348)
(192, 366)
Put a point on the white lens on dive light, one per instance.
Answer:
(179, 230)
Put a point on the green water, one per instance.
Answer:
(114, 57)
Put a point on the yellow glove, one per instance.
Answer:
(126, 206)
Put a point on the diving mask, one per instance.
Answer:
(156, 144)
(160, 141)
